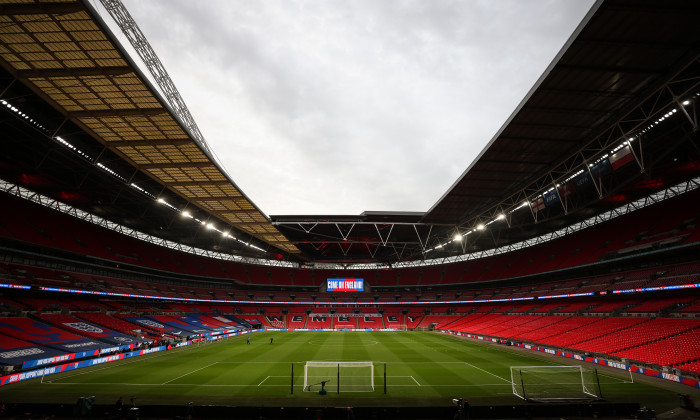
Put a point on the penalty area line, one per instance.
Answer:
(266, 385)
(110, 365)
(449, 385)
(486, 371)
(190, 385)
(617, 379)
(189, 373)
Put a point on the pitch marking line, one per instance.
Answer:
(450, 385)
(485, 371)
(618, 379)
(190, 385)
(260, 384)
(414, 380)
(248, 385)
(189, 373)
(117, 363)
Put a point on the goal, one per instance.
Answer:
(339, 376)
(554, 383)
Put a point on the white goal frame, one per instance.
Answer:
(584, 385)
(334, 378)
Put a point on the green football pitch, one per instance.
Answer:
(422, 369)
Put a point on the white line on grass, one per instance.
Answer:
(507, 350)
(260, 384)
(486, 371)
(450, 385)
(100, 383)
(379, 362)
(617, 379)
(527, 355)
(246, 362)
(118, 363)
(189, 373)
(271, 385)
(414, 380)
(192, 385)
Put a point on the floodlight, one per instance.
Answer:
(186, 214)
(686, 102)
(501, 216)
(481, 227)
(458, 237)
(210, 226)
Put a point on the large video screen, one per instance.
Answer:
(345, 285)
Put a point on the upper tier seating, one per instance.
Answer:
(83, 328)
(43, 334)
(46, 227)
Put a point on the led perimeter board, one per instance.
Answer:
(345, 285)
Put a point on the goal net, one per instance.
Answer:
(553, 383)
(339, 376)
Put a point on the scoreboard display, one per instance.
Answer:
(345, 285)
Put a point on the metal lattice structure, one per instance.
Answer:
(84, 126)
(66, 56)
(143, 48)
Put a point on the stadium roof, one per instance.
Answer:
(63, 53)
(70, 87)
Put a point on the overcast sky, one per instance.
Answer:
(341, 106)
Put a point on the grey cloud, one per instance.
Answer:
(382, 102)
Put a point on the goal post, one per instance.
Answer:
(555, 383)
(339, 376)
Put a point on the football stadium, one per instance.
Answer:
(557, 277)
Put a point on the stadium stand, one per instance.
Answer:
(319, 322)
(296, 318)
(393, 320)
(83, 328)
(111, 322)
(368, 321)
(14, 351)
(603, 323)
(45, 335)
(343, 322)
(672, 351)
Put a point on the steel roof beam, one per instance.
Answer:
(196, 183)
(41, 8)
(320, 222)
(130, 112)
(173, 165)
(156, 142)
(653, 106)
(75, 72)
(608, 69)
